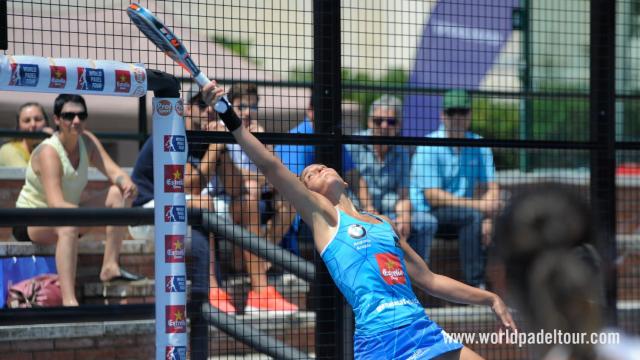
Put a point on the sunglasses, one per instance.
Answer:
(391, 121)
(69, 116)
(456, 112)
(244, 106)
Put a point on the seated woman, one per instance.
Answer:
(31, 117)
(56, 176)
(367, 259)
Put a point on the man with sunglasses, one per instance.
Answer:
(384, 170)
(457, 186)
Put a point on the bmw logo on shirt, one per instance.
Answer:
(356, 231)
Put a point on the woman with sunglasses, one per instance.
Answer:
(367, 259)
(56, 176)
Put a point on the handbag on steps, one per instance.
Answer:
(38, 291)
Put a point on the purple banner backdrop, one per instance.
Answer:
(460, 44)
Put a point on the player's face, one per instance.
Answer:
(72, 118)
(384, 122)
(321, 179)
(31, 119)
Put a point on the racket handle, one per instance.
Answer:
(202, 79)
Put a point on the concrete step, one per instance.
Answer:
(296, 330)
(132, 339)
(119, 293)
(89, 245)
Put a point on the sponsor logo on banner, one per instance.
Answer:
(174, 248)
(174, 143)
(58, 78)
(176, 353)
(177, 283)
(123, 81)
(391, 268)
(163, 107)
(139, 91)
(139, 75)
(176, 319)
(174, 213)
(179, 107)
(24, 75)
(90, 79)
(174, 178)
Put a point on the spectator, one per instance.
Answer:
(248, 210)
(457, 186)
(298, 157)
(55, 177)
(384, 168)
(31, 117)
(546, 238)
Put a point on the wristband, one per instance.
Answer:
(226, 113)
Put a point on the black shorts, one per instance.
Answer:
(21, 233)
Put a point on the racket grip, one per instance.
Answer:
(202, 79)
(225, 111)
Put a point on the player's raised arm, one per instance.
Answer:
(312, 207)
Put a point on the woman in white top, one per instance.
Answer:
(56, 176)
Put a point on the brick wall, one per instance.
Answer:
(76, 341)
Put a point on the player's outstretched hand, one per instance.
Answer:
(502, 313)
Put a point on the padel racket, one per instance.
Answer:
(171, 45)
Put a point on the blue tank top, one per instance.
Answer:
(367, 264)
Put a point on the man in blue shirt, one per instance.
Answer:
(385, 172)
(457, 186)
(296, 158)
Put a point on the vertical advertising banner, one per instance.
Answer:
(459, 45)
(169, 159)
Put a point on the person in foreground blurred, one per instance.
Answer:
(546, 238)
(366, 258)
(31, 117)
(56, 176)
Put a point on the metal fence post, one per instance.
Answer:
(603, 122)
(333, 321)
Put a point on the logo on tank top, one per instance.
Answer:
(391, 268)
(356, 231)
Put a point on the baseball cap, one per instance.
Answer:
(191, 92)
(456, 99)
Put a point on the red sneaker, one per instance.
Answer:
(220, 300)
(269, 300)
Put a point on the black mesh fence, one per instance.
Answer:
(437, 114)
